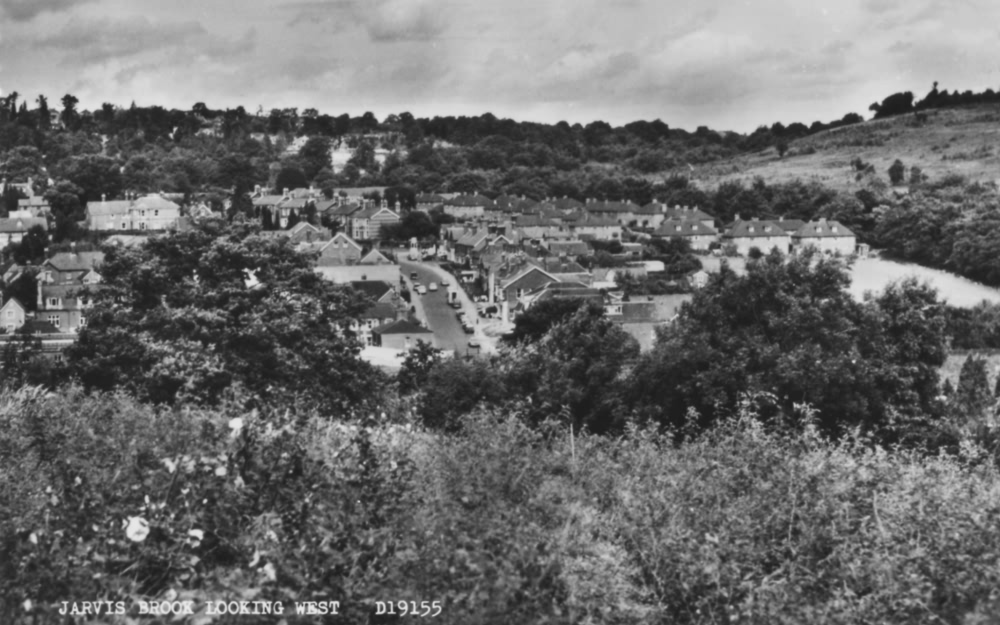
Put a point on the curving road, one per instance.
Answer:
(433, 308)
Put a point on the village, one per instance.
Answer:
(459, 292)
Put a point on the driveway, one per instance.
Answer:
(433, 307)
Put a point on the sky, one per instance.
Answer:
(726, 64)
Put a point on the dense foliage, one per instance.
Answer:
(188, 316)
(109, 499)
(790, 329)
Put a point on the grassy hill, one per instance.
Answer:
(961, 140)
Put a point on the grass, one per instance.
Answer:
(958, 140)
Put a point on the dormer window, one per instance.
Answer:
(767, 228)
(749, 228)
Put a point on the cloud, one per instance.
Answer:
(385, 21)
(24, 10)
(94, 42)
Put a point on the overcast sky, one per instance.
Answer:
(732, 64)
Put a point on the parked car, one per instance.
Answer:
(457, 305)
(433, 286)
(422, 290)
(413, 275)
(445, 283)
(474, 343)
(467, 328)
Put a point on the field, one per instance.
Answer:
(958, 140)
(874, 274)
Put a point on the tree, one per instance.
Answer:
(194, 314)
(454, 387)
(98, 176)
(573, 373)
(67, 209)
(70, 117)
(790, 330)
(315, 156)
(972, 399)
(290, 178)
(10, 198)
(782, 147)
(417, 366)
(534, 323)
(31, 248)
(896, 172)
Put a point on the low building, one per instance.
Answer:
(402, 335)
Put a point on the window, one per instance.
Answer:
(83, 321)
(54, 302)
(10, 314)
(53, 319)
(124, 226)
(156, 212)
(142, 226)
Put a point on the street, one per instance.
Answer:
(433, 307)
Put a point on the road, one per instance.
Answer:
(434, 310)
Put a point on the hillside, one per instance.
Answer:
(958, 140)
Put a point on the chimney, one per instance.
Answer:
(104, 198)
(285, 193)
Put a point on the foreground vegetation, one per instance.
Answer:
(501, 522)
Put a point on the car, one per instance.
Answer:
(422, 290)
(413, 275)
(445, 283)
(467, 328)
(457, 305)
(474, 343)
(460, 315)
(433, 286)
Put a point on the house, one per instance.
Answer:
(764, 235)
(570, 249)
(828, 236)
(61, 279)
(12, 315)
(530, 227)
(427, 202)
(149, 212)
(386, 308)
(305, 232)
(471, 206)
(366, 224)
(471, 243)
(622, 213)
(601, 228)
(36, 206)
(517, 280)
(402, 335)
(339, 250)
(13, 229)
(694, 232)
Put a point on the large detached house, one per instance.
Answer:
(827, 236)
(366, 224)
(149, 212)
(61, 279)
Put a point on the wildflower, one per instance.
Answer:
(195, 537)
(27, 605)
(33, 538)
(269, 572)
(137, 529)
(170, 464)
(235, 424)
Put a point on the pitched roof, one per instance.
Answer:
(155, 201)
(374, 257)
(106, 209)
(755, 229)
(340, 236)
(556, 265)
(790, 225)
(37, 326)
(525, 271)
(534, 222)
(569, 247)
(76, 261)
(470, 200)
(380, 310)
(590, 221)
(22, 224)
(684, 228)
(822, 229)
(429, 198)
(374, 289)
(13, 300)
(473, 239)
(401, 326)
(268, 200)
(601, 206)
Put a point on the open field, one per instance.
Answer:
(960, 140)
